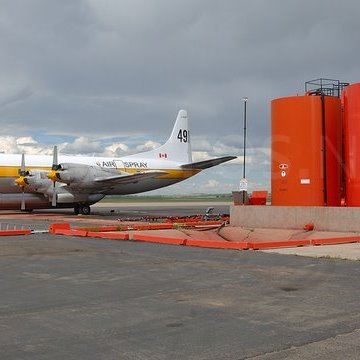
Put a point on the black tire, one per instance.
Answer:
(85, 209)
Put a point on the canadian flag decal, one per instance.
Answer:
(163, 155)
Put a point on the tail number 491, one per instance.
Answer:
(183, 135)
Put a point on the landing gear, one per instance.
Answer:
(76, 209)
(85, 209)
(82, 209)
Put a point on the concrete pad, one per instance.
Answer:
(343, 251)
(295, 217)
(232, 233)
(332, 348)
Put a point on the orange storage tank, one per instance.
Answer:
(306, 153)
(351, 99)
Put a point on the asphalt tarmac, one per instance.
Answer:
(159, 209)
(108, 212)
(73, 298)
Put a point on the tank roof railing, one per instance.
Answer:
(323, 86)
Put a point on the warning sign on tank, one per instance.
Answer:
(283, 168)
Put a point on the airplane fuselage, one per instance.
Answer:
(10, 165)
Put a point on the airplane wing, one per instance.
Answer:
(103, 182)
(128, 179)
(201, 165)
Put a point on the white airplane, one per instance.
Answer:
(78, 182)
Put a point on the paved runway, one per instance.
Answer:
(72, 298)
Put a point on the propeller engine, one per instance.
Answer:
(78, 175)
(22, 180)
(53, 175)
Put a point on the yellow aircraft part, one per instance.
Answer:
(21, 181)
(53, 175)
(12, 171)
(170, 173)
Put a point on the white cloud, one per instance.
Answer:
(200, 155)
(26, 145)
(117, 149)
(148, 145)
(8, 144)
(26, 141)
(82, 145)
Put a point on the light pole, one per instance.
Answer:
(244, 182)
(244, 139)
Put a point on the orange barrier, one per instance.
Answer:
(58, 226)
(14, 232)
(107, 235)
(342, 240)
(70, 232)
(64, 229)
(158, 226)
(275, 244)
(101, 228)
(160, 239)
(218, 244)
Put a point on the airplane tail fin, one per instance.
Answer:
(178, 147)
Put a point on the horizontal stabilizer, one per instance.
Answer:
(201, 165)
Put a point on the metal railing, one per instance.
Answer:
(323, 86)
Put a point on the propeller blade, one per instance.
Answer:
(23, 200)
(21, 181)
(55, 165)
(53, 174)
(22, 169)
(54, 197)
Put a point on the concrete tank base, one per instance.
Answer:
(295, 217)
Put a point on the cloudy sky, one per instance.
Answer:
(107, 77)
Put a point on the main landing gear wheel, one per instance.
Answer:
(82, 209)
(85, 209)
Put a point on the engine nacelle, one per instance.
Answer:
(79, 173)
(66, 198)
(38, 179)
